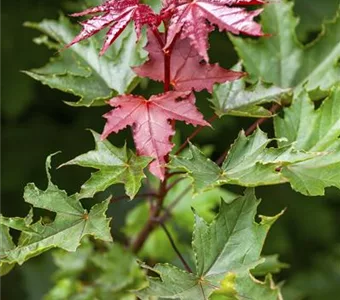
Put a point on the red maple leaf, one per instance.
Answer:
(187, 70)
(190, 18)
(116, 14)
(150, 121)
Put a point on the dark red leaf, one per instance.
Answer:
(187, 69)
(190, 17)
(150, 122)
(115, 15)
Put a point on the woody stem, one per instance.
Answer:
(156, 208)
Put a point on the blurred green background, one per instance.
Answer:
(35, 122)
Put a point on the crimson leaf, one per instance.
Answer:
(187, 70)
(116, 14)
(150, 122)
(189, 19)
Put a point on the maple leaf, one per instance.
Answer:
(187, 70)
(190, 18)
(116, 14)
(150, 122)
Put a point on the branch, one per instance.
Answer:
(172, 242)
(117, 199)
(154, 218)
(154, 214)
(167, 211)
(174, 183)
(155, 210)
(196, 132)
(275, 107)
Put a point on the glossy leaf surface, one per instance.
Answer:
(187, 70)
(115, 15)
(115, 165)
(150, 121)
(235, 98)
(249, 163)
(189, 20)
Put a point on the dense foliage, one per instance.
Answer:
(182, 191)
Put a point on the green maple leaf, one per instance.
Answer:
(249, 163)
(313, 130)
(80, 70)
(308, 155)
(115, 165)
(71, 223)
(234, 98)
(283, 60)
(228, 247)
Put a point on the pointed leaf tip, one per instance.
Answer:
(115, 15)
(187, 70)
(150, 122)
(189, 20)
(114, 165)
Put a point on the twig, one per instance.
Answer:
(174, 183)
(176, 173)
(155, 219)
(117, 199)
(150, 224)
(197, 131)
(275, 107)
(172, 242)
(167, 211)
(156, 209)
(179, 198)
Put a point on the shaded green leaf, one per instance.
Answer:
(232, 243)
(115, 165)
(249, 163)
(313, 130)
(282, 60)
(234, 98)
(80, 70)
(71, 223)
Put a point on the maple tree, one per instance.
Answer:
(225, 261)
